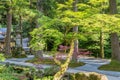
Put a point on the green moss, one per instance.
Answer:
(81, 76)
(94, 77)
(51, 62)
(113, 66)
(72, 76)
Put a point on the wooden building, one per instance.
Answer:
(2, 39)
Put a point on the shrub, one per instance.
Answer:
(18, 69)
(8, 69)
(2, 58)
(94, 77)
(7, 76)
(18, 52)
(80, 76)
(46, 78)
(1, 68)
(83, 76)
(72, 77)
(50, 71)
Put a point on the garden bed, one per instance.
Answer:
(113, 66)
(51, 62)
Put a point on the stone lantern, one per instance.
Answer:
(18, 41)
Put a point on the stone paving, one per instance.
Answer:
(91, 65)
(21, 62)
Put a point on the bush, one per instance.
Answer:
(1, 68)
(46, 78)
(72, 77)
(18, 52)
(18, 69)
(2, 58)
(51, 71)
(94, 77)
(80, 76)
(6, 73)
(7, 76)
(8, 69)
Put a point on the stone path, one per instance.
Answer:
(21, 62)
(90, 66)
(93, 64)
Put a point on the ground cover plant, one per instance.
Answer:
(26, 73)
(113, 66)
(12, 72)
(52, 62)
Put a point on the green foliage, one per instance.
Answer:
(72, 77)
(40, 37)
(97, 22)
(7, 76)
(47, 7)
(18, 52)
(2, 58)
(46, 78)
(56, 18)
(97, 3)
(51, 71)
(83, 76)
(80, 76)
(12, 72)
(39, 74)
(51, 62)
(94, 77)
(6, 73)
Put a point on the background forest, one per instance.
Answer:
(92, 17)
(91, 25)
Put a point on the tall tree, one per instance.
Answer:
(47, 7)
(114, 37)
(75, 29)
(9, 23)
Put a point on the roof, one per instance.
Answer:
(2, 32)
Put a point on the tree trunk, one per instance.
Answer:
(101, 45)
(20, 26)
(8, 34)
(64, 66)
(115, 46)
(112, 6)
(39, 5)
(75, 29)
(30, 1)
(114, 37)
(39, 53)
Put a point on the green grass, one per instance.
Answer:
(51, 62)
(113, 66)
